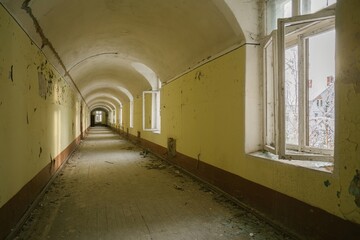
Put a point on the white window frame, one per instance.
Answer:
(131, 112)
(297, 9)
(272, 39)
(155, 111)
(279, 45)
(120, 116)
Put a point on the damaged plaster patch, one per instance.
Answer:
(354, 188)
(327, 183)
(11, 73)
(40, 152)
(46, 42)
(338, 194)
(199, 75)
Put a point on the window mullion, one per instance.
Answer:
(302, 92)
(276, 90)
(281, 87)
(265, 97)
(306, 73)
(296, 7)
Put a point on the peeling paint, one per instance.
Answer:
(45, 42)
(11, 73)
(327, 183)
(198, 75)
(338, 194)
(354, 188)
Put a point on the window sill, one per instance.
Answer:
(315, 165)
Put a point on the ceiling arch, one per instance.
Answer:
(102, 95)
(129, 45)
(108, 91)
(103, 100)
(100, 106)
(108, 68)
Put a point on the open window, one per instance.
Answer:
(299, 76)
(151, 111)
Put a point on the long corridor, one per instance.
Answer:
(111, 189)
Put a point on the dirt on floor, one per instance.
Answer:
(112, 189)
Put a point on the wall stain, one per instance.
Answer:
(327, 183)
(199, 75)
(45, 78)
(35, 109)
(45, 41)
(40, 151)
(338, 194)
(11, 73)
(354, 188)
(27, 118)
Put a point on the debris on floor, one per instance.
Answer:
(90, 200)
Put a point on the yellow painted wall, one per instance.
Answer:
(204, 110)
(33, 129)
(347, 137)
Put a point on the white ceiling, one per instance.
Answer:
(111, 47)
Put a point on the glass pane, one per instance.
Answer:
(311, 6)
(291, 96)
(270, 100)
(321, 97)
(277, 9)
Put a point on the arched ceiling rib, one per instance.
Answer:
(100, 106)
(107, 91)
(126, 44)
(121, 93)
(113, 99)
(112, 68)
(109, 101)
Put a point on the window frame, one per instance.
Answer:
(155, 111)
(302, 27)
(272, 39)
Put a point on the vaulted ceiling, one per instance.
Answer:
(112, 50)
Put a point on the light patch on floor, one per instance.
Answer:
(111, 189)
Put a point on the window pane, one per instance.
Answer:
(291, 96)
(269, 96)
(311, 6)
(321, 97)
(277, 9)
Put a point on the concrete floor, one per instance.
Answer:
(109, 190)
